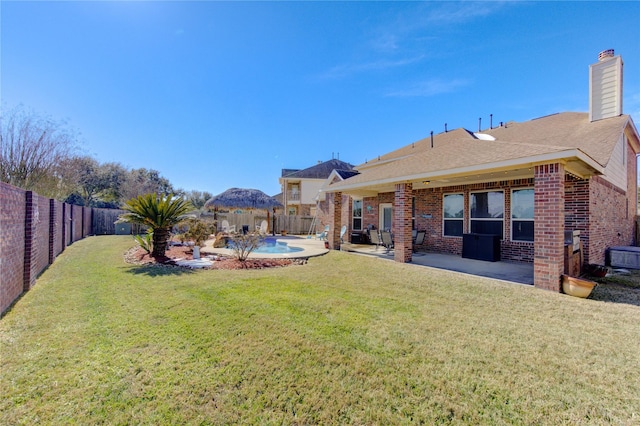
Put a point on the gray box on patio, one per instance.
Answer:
(624, 257)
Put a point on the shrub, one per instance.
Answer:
(145, 241)
(243, 244)
(198, 230)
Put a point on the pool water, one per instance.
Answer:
(272, 246)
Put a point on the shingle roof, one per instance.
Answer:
(319, 171)
(460, 151)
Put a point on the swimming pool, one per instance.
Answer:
(272, 246)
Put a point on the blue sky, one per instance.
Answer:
(222, 94)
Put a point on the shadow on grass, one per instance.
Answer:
(159, 271)
(618, 289)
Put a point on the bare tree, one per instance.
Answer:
(31, 147)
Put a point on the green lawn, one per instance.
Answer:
(344, 339)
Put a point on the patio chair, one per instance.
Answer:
(343, 231)
(387, 240)
(324, 234)
(419, 240)
(375, 238)
(226, 228)
(262, 229)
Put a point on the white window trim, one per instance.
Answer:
(443, 218)
(519, 220)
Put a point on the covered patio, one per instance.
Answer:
(517, 272)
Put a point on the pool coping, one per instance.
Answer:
(311, 247)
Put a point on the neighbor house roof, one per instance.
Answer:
(502, 153)
(319, 171)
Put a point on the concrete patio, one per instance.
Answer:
(521, 273)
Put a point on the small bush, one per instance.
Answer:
(243, 244)
(198, 230)
(145, 241)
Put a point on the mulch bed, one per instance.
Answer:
(138, 256)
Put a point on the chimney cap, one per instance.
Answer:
(609, 53)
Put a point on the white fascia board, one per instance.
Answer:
(558, 156)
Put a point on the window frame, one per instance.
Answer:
(486, 219)
(444, 218)
(532, 219)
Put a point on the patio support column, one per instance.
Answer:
(548, 263)
(402, 204)
(335, 216)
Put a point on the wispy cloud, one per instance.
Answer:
(447, 13)
(402, 40)
(345, 70)
(431, 87)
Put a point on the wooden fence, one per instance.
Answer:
(296, 225)
(104, 222)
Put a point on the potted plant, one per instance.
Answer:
(577, 287)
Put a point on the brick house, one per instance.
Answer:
(524, 182)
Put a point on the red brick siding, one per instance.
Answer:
(576, 210)
(549, 197)
(402, 206)
(612, 219)
(429, 202)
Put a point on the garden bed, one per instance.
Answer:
(138, 256)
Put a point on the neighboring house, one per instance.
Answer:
(300, 188)
(525, 182)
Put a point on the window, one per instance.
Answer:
(357, 215)
(522, 214)
(487, 213)
(453, 215)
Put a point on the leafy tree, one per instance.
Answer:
(97, 184)
(197, 198)
(31, 148)
(158, 212)
(143, 181)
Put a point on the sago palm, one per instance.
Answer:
(158, 212)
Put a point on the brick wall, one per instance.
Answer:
(402, 222)
(576, 210)
(34, 230)
(548, 263)
(612, 223)
(12, 232)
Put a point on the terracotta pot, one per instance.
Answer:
(577, 286)
(326, 244)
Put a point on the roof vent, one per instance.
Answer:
(602, 56)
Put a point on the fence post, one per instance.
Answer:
(52, 230)
(28, 242)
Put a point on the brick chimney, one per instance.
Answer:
(605, 86)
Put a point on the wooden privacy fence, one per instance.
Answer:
(298, 225)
